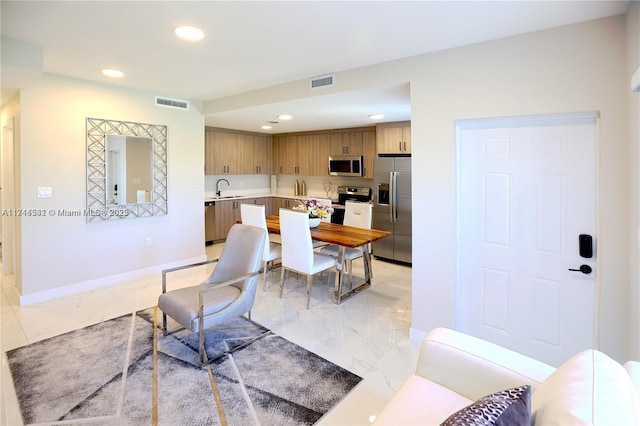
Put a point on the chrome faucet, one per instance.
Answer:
(218, 183)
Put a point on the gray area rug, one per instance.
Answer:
(119, 372)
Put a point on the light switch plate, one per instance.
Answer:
(44, 192)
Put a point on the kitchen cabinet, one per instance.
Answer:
(347, 144)
(307, 153)
(394, 138)
(293, 155)
(229, 152)
(225, 153)
(262, 154)
(322, 151)
(283, 203)
(228, 213)
(368, 152)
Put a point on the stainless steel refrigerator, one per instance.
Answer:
(392, 207)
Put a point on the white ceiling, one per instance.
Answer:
(252, 45)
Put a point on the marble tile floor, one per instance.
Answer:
(367, 334)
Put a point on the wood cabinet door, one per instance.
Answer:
(262, 154)
(225, 153)
(394, 139)
(352, 142)
(245, 153)
(287, 155)
(337, 145)
(406, 138)
(368, 152)
(209, 153)
(225, 218)
(322, 151)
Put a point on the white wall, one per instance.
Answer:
(58, 252)
(573, 68)
(633, 61)
(579, 67)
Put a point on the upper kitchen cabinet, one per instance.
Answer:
(345, 144)
(307, 153)
(368, 151)
(292, 155)
(234, 152)
(256, 150)
(394, 138)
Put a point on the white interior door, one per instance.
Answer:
(526, 192)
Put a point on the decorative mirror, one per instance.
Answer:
(126, 170)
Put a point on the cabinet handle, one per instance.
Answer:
(400, 146)
(404, 146)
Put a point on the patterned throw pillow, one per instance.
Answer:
(511, 407)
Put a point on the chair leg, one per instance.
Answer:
(282, 275)
(309, 282)
(201, 350)
(351, 273)
(164, 324)
(266, 268)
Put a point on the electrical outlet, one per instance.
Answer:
(149, 242)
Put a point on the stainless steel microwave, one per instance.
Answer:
(345, 166)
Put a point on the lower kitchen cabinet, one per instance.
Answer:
(228, 213)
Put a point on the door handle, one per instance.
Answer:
(585, 269)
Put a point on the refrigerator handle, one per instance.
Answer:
(393, 176)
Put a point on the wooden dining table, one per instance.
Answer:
(343, 236)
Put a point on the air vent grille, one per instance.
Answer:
(172, 103)
(323, 81)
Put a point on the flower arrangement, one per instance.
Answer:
(315, 208)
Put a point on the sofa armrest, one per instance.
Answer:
(473, 367)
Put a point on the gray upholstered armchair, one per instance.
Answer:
(229, 292)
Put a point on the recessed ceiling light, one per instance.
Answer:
(285, 117)
(266, 127)
(189, 33)
(113, 73)
(376, 116)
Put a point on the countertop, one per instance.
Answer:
(227, 197)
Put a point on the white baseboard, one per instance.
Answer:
(54, 293)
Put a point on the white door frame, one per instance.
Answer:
(511, 121)
(8, 222)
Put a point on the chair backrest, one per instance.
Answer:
(254, 215)
(358, 214)
(241, 255)
(297, 248)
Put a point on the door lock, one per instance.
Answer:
(585, 269)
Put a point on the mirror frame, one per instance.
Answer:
(97, 208)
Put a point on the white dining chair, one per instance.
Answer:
(297, 249)
(254, 215)
(358, 215)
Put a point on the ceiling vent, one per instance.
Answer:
(172, 103)
(323, 81)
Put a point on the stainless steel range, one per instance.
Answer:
(348, 193)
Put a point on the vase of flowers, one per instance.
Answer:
(316, 209)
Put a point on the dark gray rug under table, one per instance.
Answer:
(121, 372)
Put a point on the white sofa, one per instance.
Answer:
(454, 370)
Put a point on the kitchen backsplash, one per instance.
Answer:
(317, 186)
